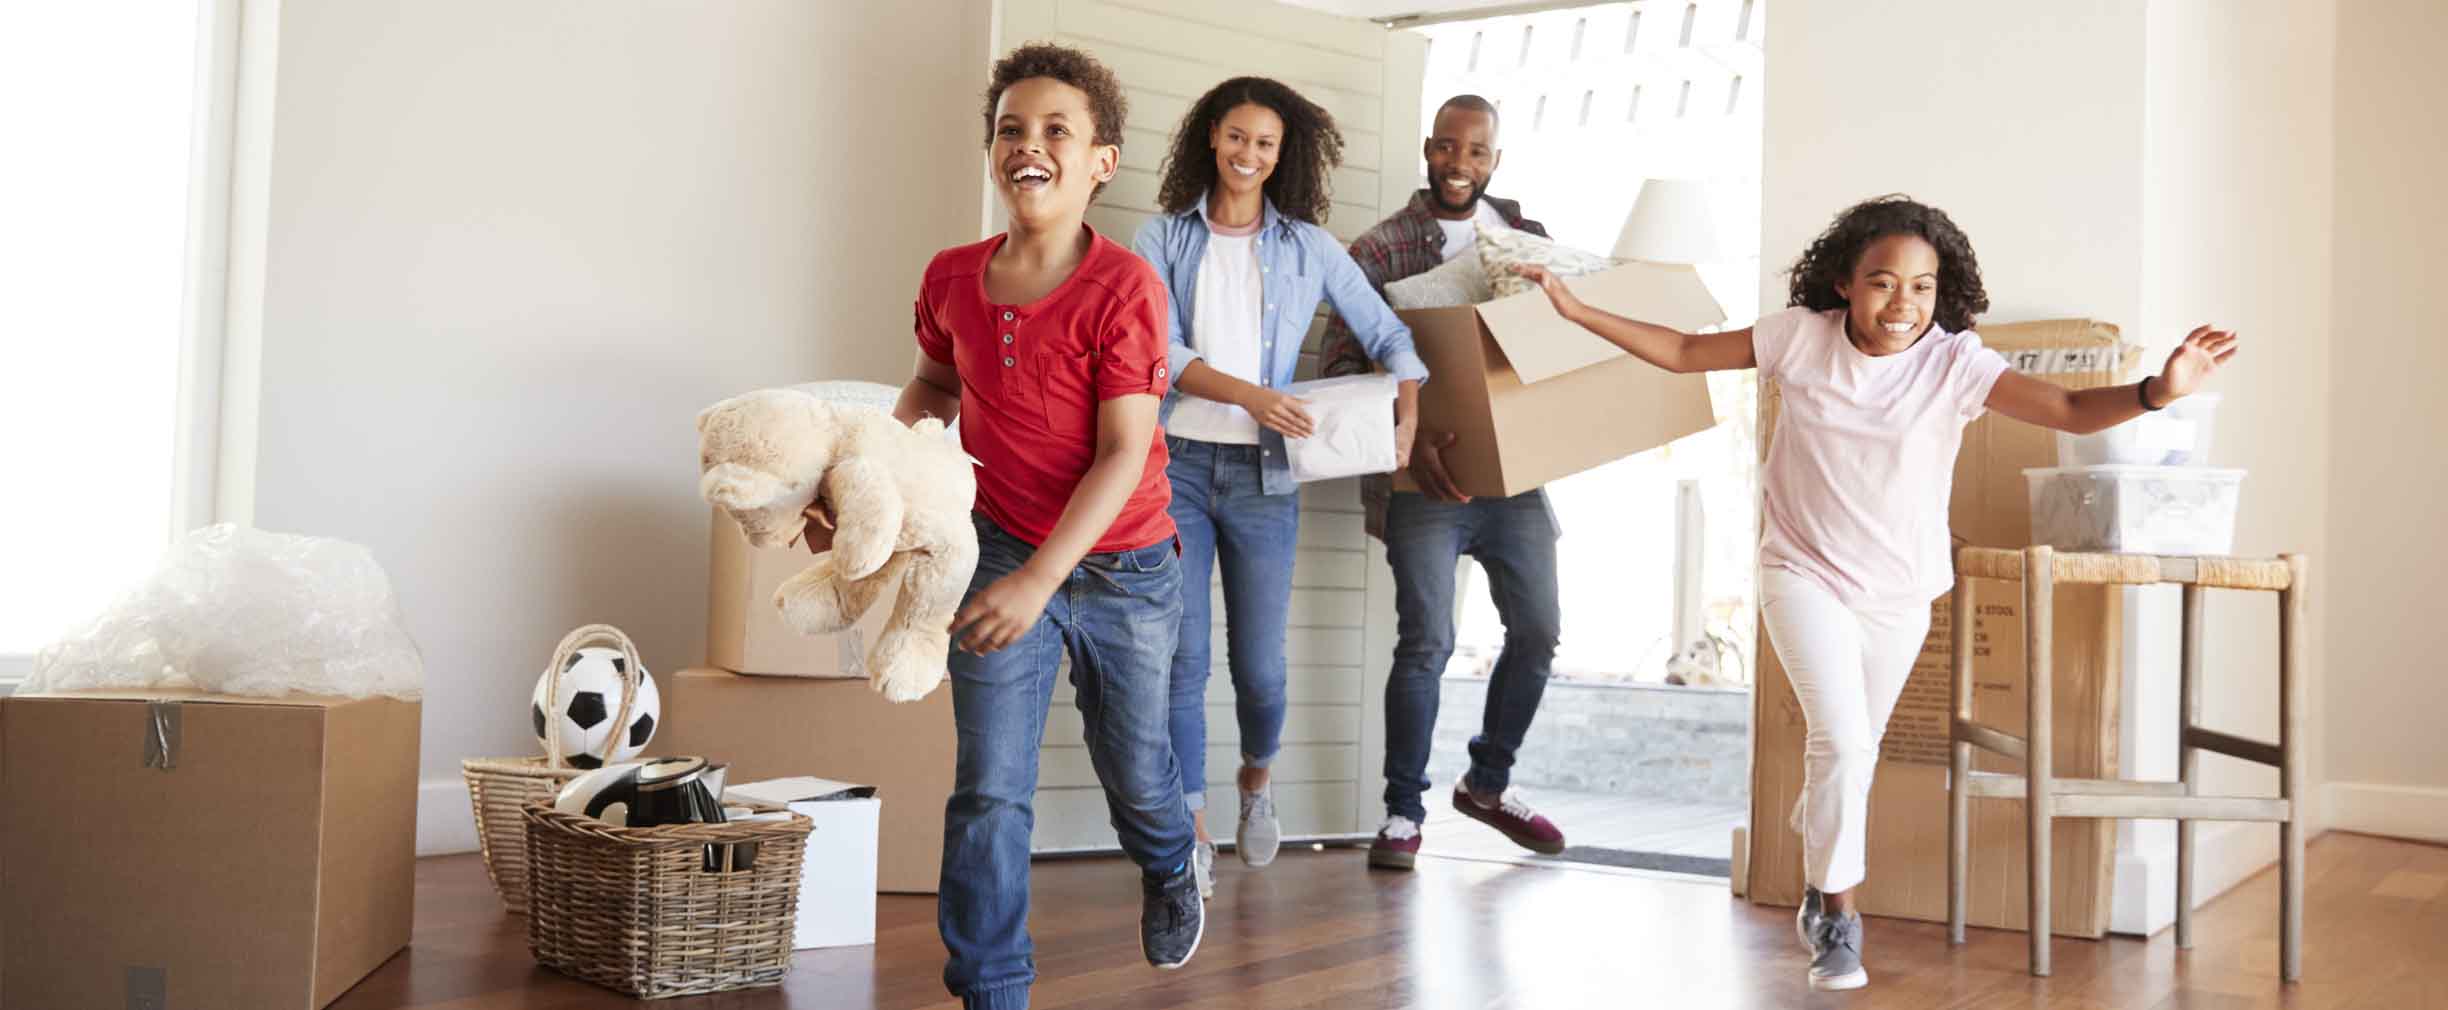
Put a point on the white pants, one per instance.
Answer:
(1848, 667)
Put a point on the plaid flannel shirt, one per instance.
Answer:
(1404, 245)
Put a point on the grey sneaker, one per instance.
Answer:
(1172, 918)
(1806, 918)
(1261, 833)
(1836, 954)
(1202, 860)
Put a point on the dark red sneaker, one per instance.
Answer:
(1397, 845)
(1513, 817)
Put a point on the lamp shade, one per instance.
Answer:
(1674, 221)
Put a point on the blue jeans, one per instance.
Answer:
(1514, 541)
(1225, 517)
(1115, 615)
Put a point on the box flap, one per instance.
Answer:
(801, 789)
(1542, 345)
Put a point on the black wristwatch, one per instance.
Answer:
(2142, 393)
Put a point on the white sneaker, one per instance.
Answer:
(1261, 832)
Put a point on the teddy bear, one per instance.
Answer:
(900, 497)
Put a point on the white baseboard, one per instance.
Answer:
(445, 822)
(2415, 812)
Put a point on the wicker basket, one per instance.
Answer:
(636, 910)
(499, 788)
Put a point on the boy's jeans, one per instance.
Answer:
(1115, 616)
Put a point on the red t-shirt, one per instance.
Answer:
(1033, 375)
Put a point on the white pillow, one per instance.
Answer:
(1462, 280)
(1502, 248)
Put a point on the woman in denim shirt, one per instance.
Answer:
(1242, 254)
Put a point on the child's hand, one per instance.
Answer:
(1566, 303)
(2194, 362)
(819, 531)
(1003, 611)
(1280, 412)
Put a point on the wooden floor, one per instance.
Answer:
(1318, 931)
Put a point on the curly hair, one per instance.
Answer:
(1833, 255)
(1307, 156)
(1106, 103)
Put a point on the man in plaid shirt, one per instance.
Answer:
(1428, 532)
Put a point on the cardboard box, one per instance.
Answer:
(1532, 398)
(745, 633)
(775, 727)
(179, 849)
(1908, 831)
(837, 883)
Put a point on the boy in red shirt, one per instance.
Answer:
(1048, 342)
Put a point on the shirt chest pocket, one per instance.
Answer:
(1063, 381)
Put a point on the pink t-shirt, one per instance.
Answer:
(1863, 457)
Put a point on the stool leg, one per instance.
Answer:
(2188, 766)
(2291, 772)
(1959, 793)
(2039, 770)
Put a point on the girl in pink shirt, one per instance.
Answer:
(1880, 371)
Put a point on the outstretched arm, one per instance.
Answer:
(2084, 411)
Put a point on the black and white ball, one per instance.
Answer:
(590, 698)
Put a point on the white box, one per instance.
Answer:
(2135, 509)
(837, 882)
(2180, 435)
(1354, 433)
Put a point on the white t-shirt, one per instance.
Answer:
(1224, 323)
(1459, 235)
(1863, 457)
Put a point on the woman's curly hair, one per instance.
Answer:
(1307, 155)
(1833, 255)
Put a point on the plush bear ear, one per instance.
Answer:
(733, 486)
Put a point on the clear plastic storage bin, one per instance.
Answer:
(2135, 509)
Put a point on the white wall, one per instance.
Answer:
(2386, 693)
(512, 249)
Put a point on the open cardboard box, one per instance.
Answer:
(179, 849)
(1532, 398)
(1908, 810)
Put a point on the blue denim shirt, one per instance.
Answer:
(1299, 265)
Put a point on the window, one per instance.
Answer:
(1691, 13)
(95, 264)
(1734, 95)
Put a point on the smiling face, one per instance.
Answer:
(1045, 160)
(1247, 141)
(1891, 297)
(1462, 155)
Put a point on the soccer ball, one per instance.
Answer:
(590, 698)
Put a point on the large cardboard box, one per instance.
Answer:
(745, 633)
(1532, 398)
(179, 849)
(1907, 852)
(777, 727)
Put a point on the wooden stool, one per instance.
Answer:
(2047, 797)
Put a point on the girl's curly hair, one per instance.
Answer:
(1310, 150)
(1833, 255)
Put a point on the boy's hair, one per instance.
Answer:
(1310, 149)
(1833, 255)
(1106, 103)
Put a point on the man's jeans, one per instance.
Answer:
(1514, 541)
